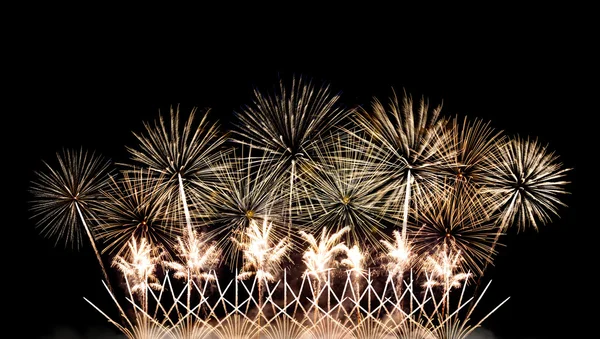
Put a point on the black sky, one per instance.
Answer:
(94, 91)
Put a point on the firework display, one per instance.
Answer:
(307, 220)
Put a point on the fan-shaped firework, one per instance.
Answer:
(136, 208)
(398, 258)
(443, 268)
(526, 181)
(247, 190)
(182, 154)
(285, 123)
(139, 265)
(419, 146)
(320, 255)
(198, 258)
(263, 254)
(349, 189)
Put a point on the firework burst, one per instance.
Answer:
(419, 148)
(348, 189)
(135, 208)
(285, 124)
(452, 220)
(526, 181)
(247, 191)
(301, 183)
(64, 197)
(182, 155)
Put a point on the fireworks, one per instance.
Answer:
(285, 124)
(64, 197)
(246, 191)
(304, 178)
(135, 208)
(182, 154)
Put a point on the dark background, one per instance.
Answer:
(86, 85)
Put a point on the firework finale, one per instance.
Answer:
(301, 217)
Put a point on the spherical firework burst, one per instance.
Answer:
(284, 125)
(247, 190)
(136, 208)
(64, 197)
(181, 153)
(419, 147)
(526, 181)
(451, 219)
(347, 189)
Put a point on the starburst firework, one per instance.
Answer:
(526, 181)
(419, 148)
(182, 155)
(64, 197)
(247, 191)
(284, 125)
(348, 189)
(135, 208)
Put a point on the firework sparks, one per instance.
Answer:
(398, 259)
(442, 268)
(198, 256)
(320, 254)
(262, 257)
(139, 265)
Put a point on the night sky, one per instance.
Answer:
(93, 93)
